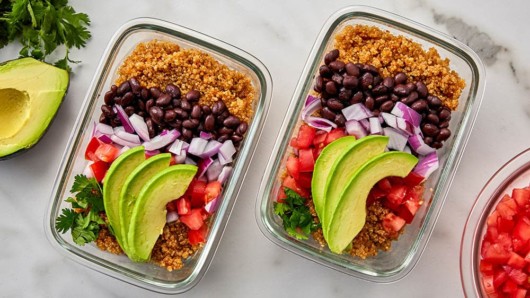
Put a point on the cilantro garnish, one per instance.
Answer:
(297, 219)
(42, 26)
(83, 218)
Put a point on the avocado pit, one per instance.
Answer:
(14, 111)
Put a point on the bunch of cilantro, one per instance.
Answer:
(83, 219)
(296, 216)
(42, 27)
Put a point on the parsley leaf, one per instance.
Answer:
(83, 218)
(296, 217)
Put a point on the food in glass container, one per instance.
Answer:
(160, 155)
(372, 85)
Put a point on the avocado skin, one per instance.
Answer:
(54, 114)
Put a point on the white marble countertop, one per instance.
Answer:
(280, 34)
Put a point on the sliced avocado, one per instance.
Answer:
(324, 169)
(350, 214)
(113, 182)
(131, 189)
(149, 214)
(31, 92)
(343, 169)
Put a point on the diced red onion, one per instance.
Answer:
(225, 173)
(211, 149)
(105, 139)
(197, 146)
(214, 170)
(365, 123)
(161, 141)
(118, 128)
(375, 126)
(397, 140)
(407, 113)
(103, 128)
(418, 145)
(124, 119)
(93, 130)
(390, 120)
(128, 137)
(180, 158)
(139, 125)
(172, 216)
(227, 150)
(123, 142)
(123, 149)
(223, 160)
(407, 150)
(427, 165)
(190, 161)
(205, 135)
(178, 146)
(404, 126)
(354, 128)
(88, 170)
(320, 123)
(204, 164)
(312, 104)
(357, 112)
(211, 206)
(151, 153)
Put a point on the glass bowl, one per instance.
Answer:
(148, 275)
(514, 174)
(404, 254)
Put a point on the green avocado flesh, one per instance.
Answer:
(113, 183)
(345, 167)
(30, 94)
(350, 214)
(149, 214)
(324, 169)
(131, 189)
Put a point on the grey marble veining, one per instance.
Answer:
(280, 34)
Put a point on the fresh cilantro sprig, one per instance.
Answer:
(42, 26)
(83, 218)
(297, 219)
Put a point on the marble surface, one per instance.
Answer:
(280, 34)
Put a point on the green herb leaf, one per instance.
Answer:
(296, 217)
(66, 220)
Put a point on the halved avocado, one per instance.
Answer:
(31, 92)
(350, 213)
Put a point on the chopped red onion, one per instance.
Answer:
(161, 141)
(404, 126)
(354, 128)
(197, 146)
(223, 160)
(172, 216)
(227, 150)
(225, 173)
(211, 206)
(375, 126)
(118, 128)
(180, 158)
(320, 123)
(365, 123)
(312, 104)
(190, 161)
(124, 119)
(128, 136)
(151, 153)
(123, 142)
(396, 139)
(204, 164)
(418, 145)
(178, 146)
(105, 139)
(407, 113)
(103, 128)
(88, 170)
(205, 135)
(357, 112)
(211, 149)
(427, 165)
(123, 149)
(407, 150)
(139, 125)
(214, 170)
(390, 120)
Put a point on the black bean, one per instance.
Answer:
(367, 80)
(163, 100)
(242, 128)
(427, 140)
(337, 66)
(319, 82)
(340, 120)
(185, 105)
(433, 118)
(357, 98)
(222, 138)
(413, 96)
(443, 135)
(135, 86)
(411, 86)
(196, 112)
(376, 112)
(325, 71)
(331, 87)
(127, 99)
(115, 122)
(141, 105)
(149, 104)
(231, 121)
(335, 104)
(109, 97)
(144, 93)
(117, 100)
(400, 78)
(381, 99)
(102, 118)
(444, 124)
(189, 124)
(141, 114)
(337, 78)
(327, 113)
(186, 133)
(156, 114)
(379, 89)
(331, 56)
(419, 105)
(236, 138)
(430, 129)
(155, 92)
(209, 123)
(193, 95)
(444, 114)
(170, 115)
(350, 82)
(434, 102)
(352, 70)
(129, 110)
(107, 110)
(422, 89)
(371, 69)
(173, 90)
(401, 90)
(150, 127)
(114, 88)
(387, 106)
(369, 103)
(124, 88)
(437, 145)
(388, 82)
(345, 94)
(225, 130)
(394, 97)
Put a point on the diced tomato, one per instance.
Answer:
(499, 277)
(492, 233)
(198, 191)
(521, 293)
(522, 229)
(504, 225)
(316, 152)
(212, 191)
(290, 183)
(307, 161)
(107, 152)
(507, 208)
(486, 268)
(306, 135)
(518, 276)
(408, 210)
(377, 193)
(183, 206)
(384, 185)
(171, 206)
(487, 282)
(496, 254)
(198, 236)
(99, 169)
(304, 180)
(509, 286)
(413, 179)
(416, 193)
(319, 139)
(281, 195)
(397, 194)
(393, 223)
(294, 143)
(193, 220)
(493, 219)
(334, 134)
(90, 153)
(516, 261)
(522, 197)
(293, 166)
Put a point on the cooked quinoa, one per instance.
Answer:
(159, 63)
(391, 54)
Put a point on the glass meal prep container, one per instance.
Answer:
(149, 275)
(400, 259)
(513, 174)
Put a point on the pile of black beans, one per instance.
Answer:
(169, 109)
(343, 84)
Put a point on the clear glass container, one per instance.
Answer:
(514, 174)
(404, 254)
(148, 275)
